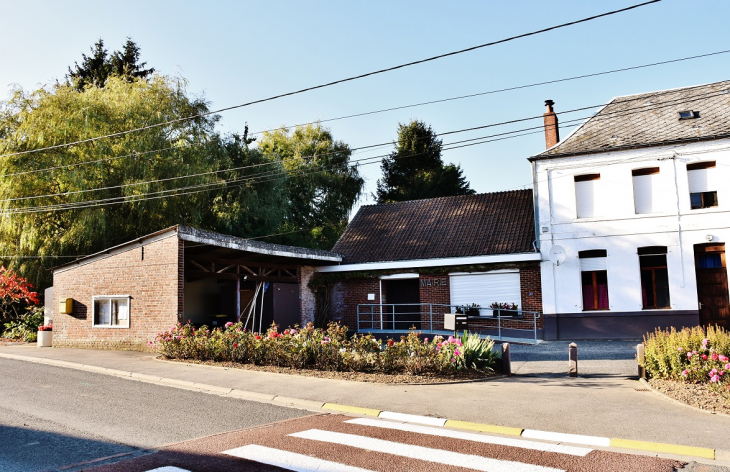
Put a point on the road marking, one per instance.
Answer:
(289, 460)
(427, 420)
(485, 428)
(667, 448)
(564, 437)
(481, 438)
(418, 452)
(168, 468)
(351, 409)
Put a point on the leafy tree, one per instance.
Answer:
(415, 170)
(16, 295)
(58, 114)
(96, 69)
(321, 185)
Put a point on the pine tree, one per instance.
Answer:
(415, 170)
(96, 68)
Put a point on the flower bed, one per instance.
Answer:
(691, 356)
(328, 350)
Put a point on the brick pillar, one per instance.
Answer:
(552, 133)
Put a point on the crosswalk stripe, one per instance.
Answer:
(427, 420)
(482, 438)
(565, 437)
(422, 453)
(168, 468)
(289, 460)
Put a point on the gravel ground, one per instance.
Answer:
(696, 395)
(357, 376)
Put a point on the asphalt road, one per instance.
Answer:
(52, 417)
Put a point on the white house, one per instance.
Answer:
(633, 213)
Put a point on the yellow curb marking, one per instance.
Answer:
(351, 409)
(666, 448)
(485, 428)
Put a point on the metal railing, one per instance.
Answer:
(428, 318)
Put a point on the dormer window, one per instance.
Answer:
(688, 115)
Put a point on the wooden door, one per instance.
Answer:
(405, 296)
(712, 289)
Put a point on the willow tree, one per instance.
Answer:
(321, 184)
(103, 192)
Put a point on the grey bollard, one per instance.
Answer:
(506, 360)
(640, 360)
(573, 360)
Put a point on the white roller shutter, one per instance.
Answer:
(585, 198)
(592, 263)
(647, 198)
(701, 180)
(485, 289)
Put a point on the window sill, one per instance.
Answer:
(596, 309)
(657, 308)
(109, 327)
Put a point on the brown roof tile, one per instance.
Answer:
(469, 225)
(651, 119)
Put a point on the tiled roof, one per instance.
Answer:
(469, 225)
(651, 119)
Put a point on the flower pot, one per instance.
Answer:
(45, 338)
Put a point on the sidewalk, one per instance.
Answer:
(606, 401)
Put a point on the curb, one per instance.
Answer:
(598, 441)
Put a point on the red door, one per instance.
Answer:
(712, 290)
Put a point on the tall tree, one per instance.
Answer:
(415, 170)
(96, 68)
(321, 185)
(59, 114)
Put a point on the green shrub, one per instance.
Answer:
(692, 355)
(26, 326)
(327, 349)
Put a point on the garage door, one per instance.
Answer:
(485, 288)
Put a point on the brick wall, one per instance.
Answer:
(154, 283)
(435, 288)
(307, 298)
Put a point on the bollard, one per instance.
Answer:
(506, 360)
(573, 360)
(640, 360)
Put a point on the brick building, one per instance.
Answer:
(120, 298)
(406, 264)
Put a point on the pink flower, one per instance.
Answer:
(689, 355)
(450, 340)
(715, 356)
(705, 341)
(293, 332)
(714, 378)
(425, 341)
(229, 324)
(727, 366)
(453, 360)
(685, 373)
(723, 358)
(457, 352)
(679, 349)
(713, 372)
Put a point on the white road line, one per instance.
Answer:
(418, 452)
(168, 468)
(289, 460)
(427, 420)
(569, 438)
(482, 438)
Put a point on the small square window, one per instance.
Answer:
(688, 115)
(703, 200)
(111, 311)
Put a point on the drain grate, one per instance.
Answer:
(641, 389)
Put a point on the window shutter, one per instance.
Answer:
(593, 263)
(701, 180)
(485, 289)
(647, 198)
(585, 198)
(123, 307)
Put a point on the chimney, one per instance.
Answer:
(552, 134)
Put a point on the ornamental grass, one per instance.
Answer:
(693, 355)
(328, 349)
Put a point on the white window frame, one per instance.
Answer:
(96, 298)
(486, 311)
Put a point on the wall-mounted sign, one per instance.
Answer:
(441, 282)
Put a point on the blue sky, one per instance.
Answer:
(232, 52)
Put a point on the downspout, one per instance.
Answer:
(679, 217)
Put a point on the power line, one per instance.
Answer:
(329, 84)
(383, 110)
(629, 111)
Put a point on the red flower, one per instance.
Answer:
(390, 342)
(235, 345)
(704, 357)
(258, 337)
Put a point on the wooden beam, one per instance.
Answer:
(229, 276)
(198, 265)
